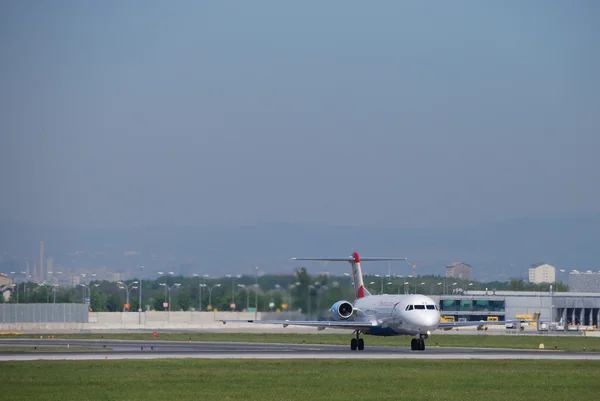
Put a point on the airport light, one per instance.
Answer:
(324, 288)
(247, 295)
(233, 277)
(310, 286)
(382, 277)
(54, 287)
(84, 286)
(210, 293)
(127, 289)
(47, 292)
(140, 306)
(200, 285)
(166, 280)
(176, 285)
(17, 287)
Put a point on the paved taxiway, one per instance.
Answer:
(154, 349)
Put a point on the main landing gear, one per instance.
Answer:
(417, 344)
(357, 343)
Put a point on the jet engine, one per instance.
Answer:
(341, 310)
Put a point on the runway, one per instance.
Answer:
(127, 349)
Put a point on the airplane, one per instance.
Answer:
(377, 315)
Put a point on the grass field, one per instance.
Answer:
(563, 343)
(300, 379)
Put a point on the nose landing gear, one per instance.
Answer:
(357, 343)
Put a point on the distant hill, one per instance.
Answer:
(495, 250)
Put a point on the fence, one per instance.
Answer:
(44, 313)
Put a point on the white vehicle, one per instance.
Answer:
(378, 315)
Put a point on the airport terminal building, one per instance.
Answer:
(564, 308)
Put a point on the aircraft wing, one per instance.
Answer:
(482, 322)
(320, 324)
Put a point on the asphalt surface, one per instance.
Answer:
(154, 349)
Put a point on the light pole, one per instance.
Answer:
(210, 294)
(233, 288)
(382, 277)
(54, 292)
(291, 298)
(199, 291)
(169, 289)
(127, 288)
(247, 296)
(47, 293)
(140, 306)
(321, 288)
(256, 287)
(17, 287)
(83, 287)
(308, 299)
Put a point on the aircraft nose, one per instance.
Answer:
(433, 320)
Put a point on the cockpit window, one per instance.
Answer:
(430, 306)
(419, 306)
(409, 307)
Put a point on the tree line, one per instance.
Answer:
(301, 292)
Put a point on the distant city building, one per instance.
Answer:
(588, 281)
(75, 280)
(459, 270)
(117, 277)
(542, 273)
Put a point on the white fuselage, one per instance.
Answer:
(398, 314)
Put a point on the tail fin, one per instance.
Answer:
(360, 290)
(359, 286)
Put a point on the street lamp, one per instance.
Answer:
(308, 299)
(47, 293)
(200, 285)
(17, 287)
(127, 288)
(54, 286)
(256, 288)
(319, 289)
(140, 306)
(247, 296)
(169, 289)
(382, 277)
(210, 294)
(233, 287)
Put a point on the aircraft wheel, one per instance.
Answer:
(421, 344)
(413, 344)
(353, 344)
(361, 344)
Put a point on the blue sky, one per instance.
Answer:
(393, 113)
